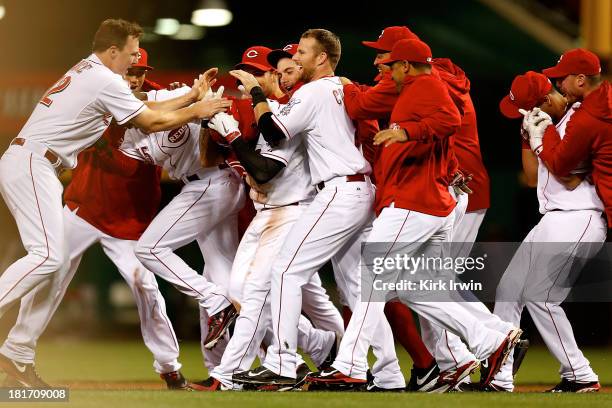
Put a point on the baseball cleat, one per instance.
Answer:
(575, 386)
(264, 380)
(492, 364)
(24, 375)
(331, 357)
(218, 324)
(423, 379)
(209, 384)
(448, 379)
(175, 380)
(475, 387)
(333, 380)
(520, 350)
(371, 387)
(302, 371)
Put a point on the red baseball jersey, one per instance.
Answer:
(588, 135)
(414, 174)
(114, 193)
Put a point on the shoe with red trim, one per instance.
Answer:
(575, 386)
(448, 379)
(332, 379)
(218, 324)
(175, 380)
(492, 364)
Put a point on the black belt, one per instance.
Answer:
(195, 177)
(349, 179)
(280, 206)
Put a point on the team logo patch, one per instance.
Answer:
(287, 108)
(177, 137)
(252, 54)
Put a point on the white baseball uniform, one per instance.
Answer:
(70, 117)
(284, 200)
(571, 232)
(156, 328)
(330, 226)
(205, 210)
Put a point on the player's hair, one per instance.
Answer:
(327, 42)
(114, 32)
(593, 80)
(420, 65)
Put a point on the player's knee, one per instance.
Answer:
(143, 251)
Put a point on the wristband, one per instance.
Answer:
(205, 123)
(258, 95)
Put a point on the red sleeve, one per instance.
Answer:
(365, 132)
(563, 155)
(443, 118)
(372, 103)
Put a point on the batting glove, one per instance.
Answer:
(537, 122)
(226, 126)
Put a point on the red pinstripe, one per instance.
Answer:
(44, 232)
(280, 309)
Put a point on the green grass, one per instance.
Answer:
(130, 362)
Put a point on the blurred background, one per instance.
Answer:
(492, 40)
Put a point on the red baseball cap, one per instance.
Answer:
(287, 51)
(409, 50)
(576, 61)
(389, 37)
(527, 92)
(255, 57)
(143, 60)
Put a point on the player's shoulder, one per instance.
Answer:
(165, 94)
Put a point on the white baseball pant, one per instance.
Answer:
(543, 271)
(251, 281)
(157, 331)
(330, 228)
(202, 209)
(412, 233)
(33, 194)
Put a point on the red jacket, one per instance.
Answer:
(588, 136)
(114, 193)
(414, 174)
(466, 141)
(371, 102)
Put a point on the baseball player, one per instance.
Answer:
(332, 225)
(70, 117)
(377, 103)
(578, 75)
(288, 71)
(111, 200)
(571, 232)
(422, 120)
(281, 189)
(371, 102)
(194, 214)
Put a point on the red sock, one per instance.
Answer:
(346, 315)
(406, 333)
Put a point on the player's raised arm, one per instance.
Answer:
(261, 168)
(155, 120)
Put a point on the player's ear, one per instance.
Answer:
(321, 58)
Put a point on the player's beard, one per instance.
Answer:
(307, 74)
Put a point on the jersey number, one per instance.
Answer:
(61, 85)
